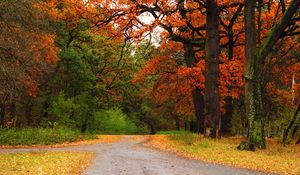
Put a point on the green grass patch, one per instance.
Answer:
(44, 163)
(40, 136)
(183, 136)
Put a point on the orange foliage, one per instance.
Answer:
(179, 22)
(175, 82)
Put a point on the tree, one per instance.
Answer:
(212, 122)
(27, 51)
(255, 59)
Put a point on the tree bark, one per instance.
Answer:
(2, 115)
(198, 98)
(226, 118)
(177, 123)
(212, 123)
(253, 100)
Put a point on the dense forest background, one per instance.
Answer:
(93, 66)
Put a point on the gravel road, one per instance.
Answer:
(129, 157)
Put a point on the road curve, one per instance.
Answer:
(130, 157)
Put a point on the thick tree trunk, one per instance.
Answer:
(253, 98)
(254, 112)
(198, 98)
(212, 123)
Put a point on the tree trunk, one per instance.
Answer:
(185, 125)
(12, 111)
(253, 98)
(177, 123)
(226, 118)
(198, 98)
(28, 115)
(291, 124)
(212, 121)
(192, 126)
(295, 129)
(152, 129)
(2, 115)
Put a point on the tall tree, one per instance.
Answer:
(212, 121)
(255, 59)
(26, 49)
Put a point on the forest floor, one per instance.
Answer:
(129, 156)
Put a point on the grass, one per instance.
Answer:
(50, 163)
(172, 132)
(275, 159)
(41, 136)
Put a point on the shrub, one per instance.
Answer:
(64, 110)
(113, 121)
(41, 136)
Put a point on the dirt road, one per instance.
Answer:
(130, 157)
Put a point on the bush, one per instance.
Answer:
(186, 137)
(75, 112)
(113, 121)
(64, 110)
(41, 136)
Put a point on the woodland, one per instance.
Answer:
(213, 67)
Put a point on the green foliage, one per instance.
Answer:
(84, 113)
(45, 136)
(76, 112)
(238, 122)
(113, 121)
(64, 110)
(75, 74)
